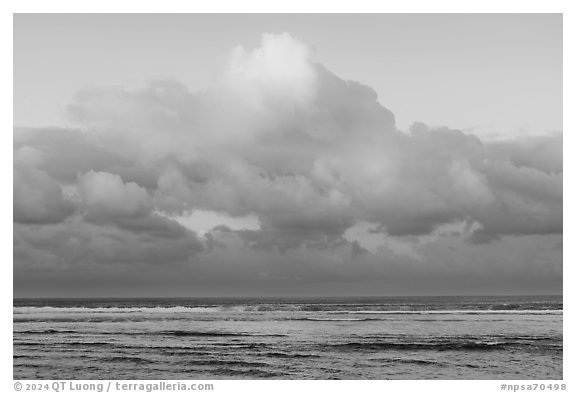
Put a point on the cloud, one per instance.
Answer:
(543, 153)
(106, 195)
(37, 197)
(79, 245)
(281, 139)
(204, 221)
(278, 74)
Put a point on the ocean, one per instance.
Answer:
(512, 337)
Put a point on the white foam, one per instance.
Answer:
(335, 319)
(253, 308)
(112, 310)
(555, 312)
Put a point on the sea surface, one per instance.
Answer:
(289, 338)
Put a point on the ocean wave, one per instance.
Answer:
(46, 331)
(126, 359)
(221, 362)
(45, 310)
(66, 343)
(290, 355)
(174, 333)
(187, 333)
(474, 345)
(247, 373)
(410, 361)
(451, 312)
(313, 319)
(184, 333)
(108, 310)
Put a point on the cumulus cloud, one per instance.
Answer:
(279, 73)
(106, 195)
(279, 138)
(37, 197)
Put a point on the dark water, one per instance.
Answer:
(314, 338)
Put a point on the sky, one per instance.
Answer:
(282, 155)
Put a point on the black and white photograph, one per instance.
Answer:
(277, 196)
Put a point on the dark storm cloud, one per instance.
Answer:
(37, 197)
(280, 137)
(79, 245)
(67, 153)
